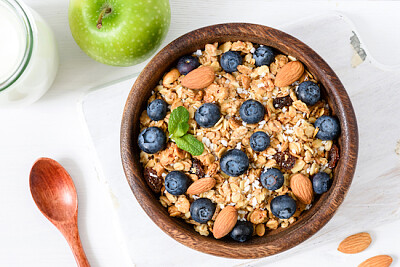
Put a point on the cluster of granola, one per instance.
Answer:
(288, 121)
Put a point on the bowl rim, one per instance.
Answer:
(339, 101)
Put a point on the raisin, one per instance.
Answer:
(333, 157)
(285, 160)
(281, 102)
(197, 168)
(153, 180)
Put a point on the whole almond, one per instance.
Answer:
(355, 243)
(199, 78)
(377, 261)
(200, 186)
(225, 222)
(289, 73)
(302, 188)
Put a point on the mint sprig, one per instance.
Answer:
(178, 126)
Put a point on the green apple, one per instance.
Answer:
(119, 32)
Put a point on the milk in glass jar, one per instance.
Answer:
(28, 55)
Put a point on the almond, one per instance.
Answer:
(225, 222)
(302, 188)
(201, 186)
(355, 243)
(289, 73)
(377, 261)
(199, 78)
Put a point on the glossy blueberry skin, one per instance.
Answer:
(151, 140)
(272, 179)
(259, 141)
(202, 210)
(207, 115)
(176, 183)
(157, 109)
(242, 231)
(230, 60)
(186, 64)
(234, 162)
(321, 182)
(252, 111)
(329, 127)
(264, 55)
(283, 206)
(309, 92)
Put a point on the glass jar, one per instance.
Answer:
(28, 54)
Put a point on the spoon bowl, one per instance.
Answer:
(53, 190)
(55, 195)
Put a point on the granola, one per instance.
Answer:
(288, 121)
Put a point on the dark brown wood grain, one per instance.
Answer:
(54, 193)
(274, 241)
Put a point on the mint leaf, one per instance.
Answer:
(181, 129)
(190, 144)
(178, 122)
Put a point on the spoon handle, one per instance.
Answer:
(71, 234)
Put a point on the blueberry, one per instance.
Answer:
(187, 63)
(151, 140)
(252, 111)
(329, 127)
(230, 60)
(283, 207)
(272, 179)
(207, 115)
(242, 231)
(321, 182)
(264, 55)
(259, 141)
(202, 210)
(308, 92)
(176, 183)
(157, 110)
(234, 162)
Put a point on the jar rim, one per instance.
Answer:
(26, 22)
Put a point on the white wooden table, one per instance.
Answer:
(52, 128)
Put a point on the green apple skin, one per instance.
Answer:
(130, 34)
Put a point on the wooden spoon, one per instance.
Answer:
(54, 193)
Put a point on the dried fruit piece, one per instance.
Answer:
(285, 160)
(289, 73)
(197, 168)
(302, 188)
(154, 181)
(199, 78)
(333, 157)
(281, 102)
(355, 243)
(377, 261)
(225, 221)
(201, 186)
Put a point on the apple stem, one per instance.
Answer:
(105, 11)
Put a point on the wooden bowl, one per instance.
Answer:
(274, 241)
